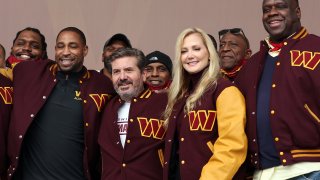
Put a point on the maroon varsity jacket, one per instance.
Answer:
(33, 82)
(295, 99)
(5, 107)
(212, 142)
(142, 156)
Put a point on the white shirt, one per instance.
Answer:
(122, 121)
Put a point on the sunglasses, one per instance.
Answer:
(236, 31)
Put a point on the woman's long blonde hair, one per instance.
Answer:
(181, 79)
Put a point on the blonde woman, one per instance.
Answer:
(205, 115)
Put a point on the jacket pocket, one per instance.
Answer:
(161, 157)
(315, 117)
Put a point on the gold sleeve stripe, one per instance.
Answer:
(305, 155)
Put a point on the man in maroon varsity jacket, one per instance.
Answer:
(131, 131)
(56, 115)
(5, 107)
(281, 86)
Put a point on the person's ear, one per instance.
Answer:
(85, 50)
(247, 54)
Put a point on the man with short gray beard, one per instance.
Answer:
(132, 129)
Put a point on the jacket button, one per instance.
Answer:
(253, 113)
(281, 153)
(284, 161)
(134, 100)
(182, 139)
(17, 157)
(123, 165)
(20, 136)
(183, 162)
(44, 97)
(32, 115)
(272, 112)
(87, 124)
(55, 80)
(131, 120)
(273, 85)
(278, 63)
(256, 162)
(253, 140)
(128, 141)
(169, 140)
(10, 174)
(276, 139)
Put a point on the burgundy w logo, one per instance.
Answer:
(6, 94)
(202, 120)
(152, 127)
(306, 59)
(99, 99)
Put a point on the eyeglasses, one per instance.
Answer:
(232, 31)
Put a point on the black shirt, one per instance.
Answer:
(54, 143)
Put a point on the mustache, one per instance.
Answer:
(124, 82)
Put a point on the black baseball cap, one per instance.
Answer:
(118, 37)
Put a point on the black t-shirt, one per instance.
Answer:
(54, 143)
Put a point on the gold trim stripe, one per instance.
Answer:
(300, 33)
(161, 157)
(305, 155)
(146, 94)
(306, 151)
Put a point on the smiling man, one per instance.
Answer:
(132, 128)
(158, 71)
(234, 51)
(281, 86)
(54, 125)
(29, 44)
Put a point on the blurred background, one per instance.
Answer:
(149, 24)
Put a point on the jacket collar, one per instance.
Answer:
(54, 68)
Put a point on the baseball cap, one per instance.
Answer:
(118, 37)
(157, 56)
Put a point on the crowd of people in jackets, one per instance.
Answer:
(213, 113)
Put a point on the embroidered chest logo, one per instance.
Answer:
(151, 128)
(202, 120)
(77, 96)
(100, 100)
(306, 59)
(6, 94)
